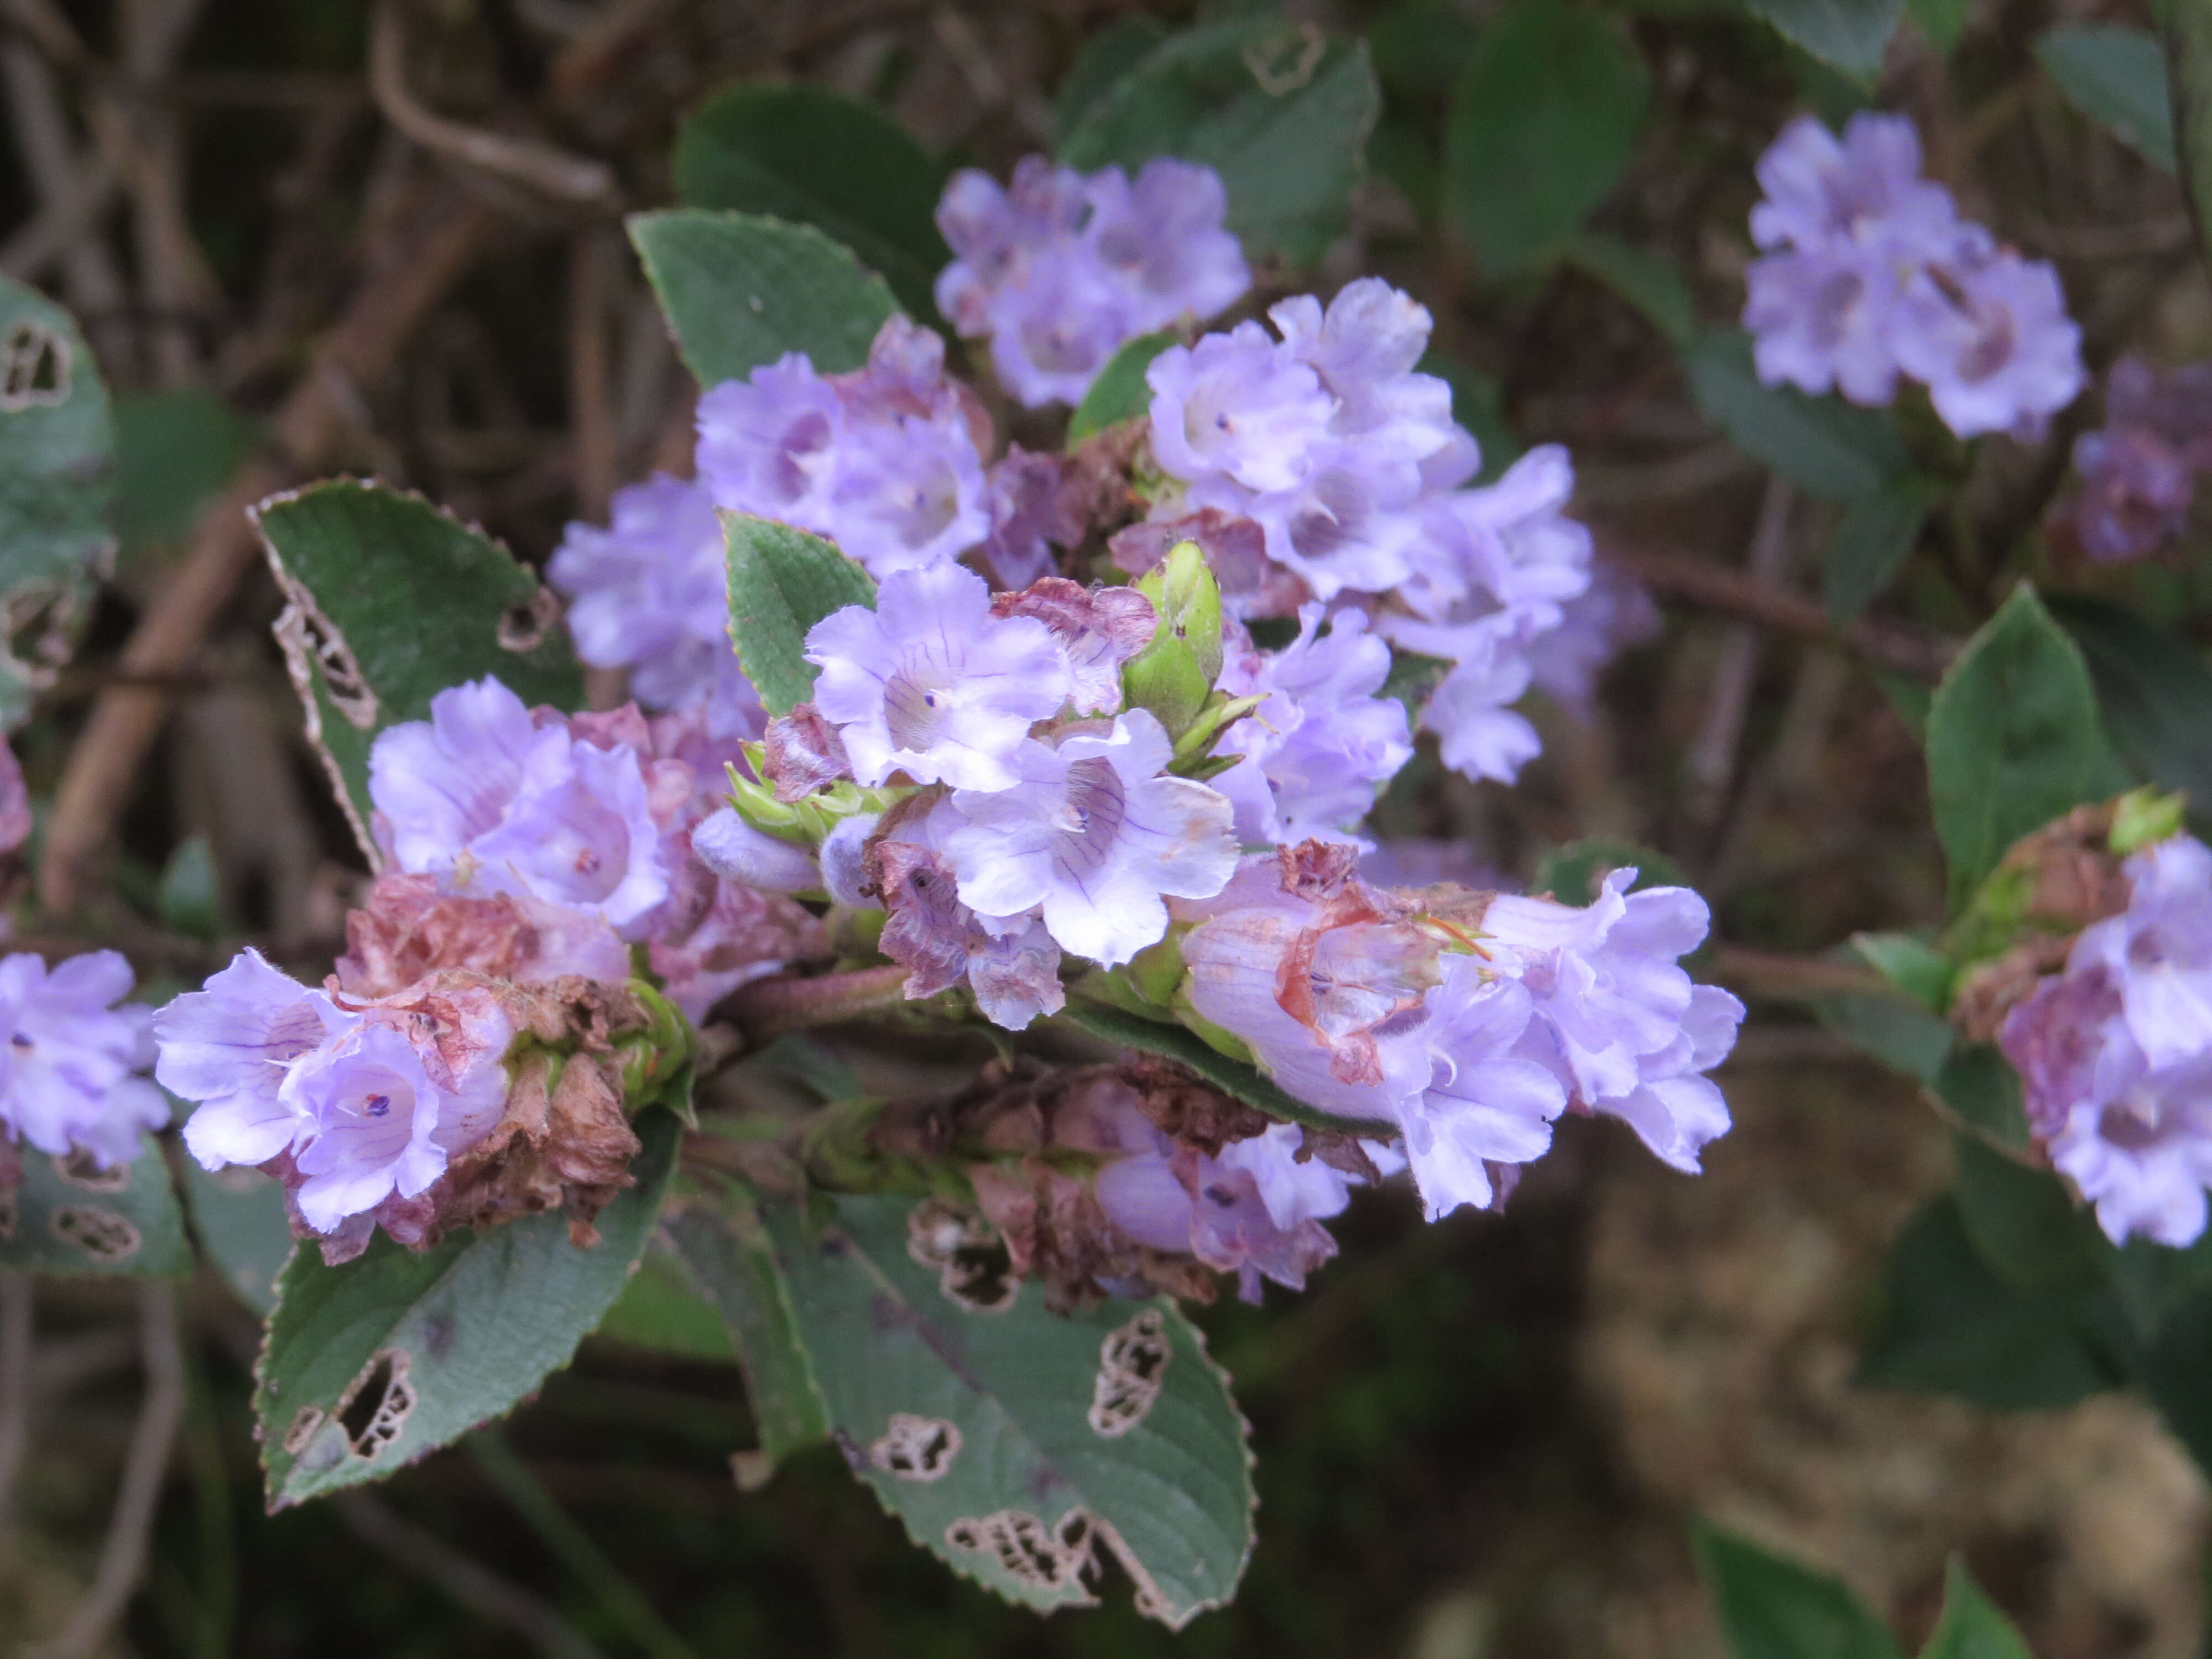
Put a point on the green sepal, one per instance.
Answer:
(1174, 675)
(1194, 750)
(2143, 818)
(658, 1062)
(804, 822)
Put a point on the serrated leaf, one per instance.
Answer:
(1972, 1626)
(1107, 60)
(1544, 120)
(238, 1216)
(1153, 1036)
(389, 601)
(1119, 393)
(1280, 110)
(782, 581)
(808, 155)
(662, 1311)
(1849, 35)
(2155, 691)
(68, 1216)
(1825, 447)
(1949, 1325)
(1771, 1607)
(368, 1367)
(726, 1250)
(57, 491)
(741, 289)
(1875, 537)
(2013, 740)
(1647, 281)
(2117, 77)
(986, 1431)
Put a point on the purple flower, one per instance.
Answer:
(1488, 1105)
(2139, 472)
(1610, 615)
(1826, 319)
(492, 799)
(931, 684)
(1059, 270)
(229, 1046)
(1323, 742)
(1867, 189)
(649, 593)
(736, 852)
(1618, 1021)
(1364, 348)
(1034, 509)
(2157, 951)
(886, 461)
(1236, 408)
(1091, 832)
(68, 1079)
(1994, 343)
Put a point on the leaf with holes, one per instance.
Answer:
(67, 1216)
(57, 492)
(2117, 77)
(1278, 109)
(812, 156)
(239, 1218)
(389, 601)
(741, 289)
(723, 1245)
(368, 1367)
(1018, 1444)
(782, 581)
(2013, 740)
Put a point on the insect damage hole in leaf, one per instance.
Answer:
(34, 368)
(1133, 1364)
(916, 1448)
(79, 1170)
(378, 1404)
(101, 1234)
(973, 1267)
(1026, 1549)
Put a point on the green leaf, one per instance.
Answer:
(1942, 20)
(1645, 280)
(1949, 1325)
(1478, 405)
(2023, 1223)
(1153, 1036)
(2013, 740)
(1846, 34)
(2117, 77)
(189, 899)
(1972, 1626)
(2187, 26)
(661, 1311)
(369, 1366)
(2154, 689)
(69, 1216)
(1901, 1034)
(1013, 1441)
(1280, 110)
(2171, 1371)
(1120, 392)
(1107, 60)
(1911, 964)
(1771, 1607)
(176, 449)
(239, 1218)
(1421, 46)
(725, 1248)
(389, 601)
(741, 289)
(1979, 1085)
(1877, 535)
(57, 488)
(1545, 118)
(782, 581)
(1572, 873)
(1412, 678)
(1826, 447)
(812, 156)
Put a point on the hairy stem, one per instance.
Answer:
(767, 1007)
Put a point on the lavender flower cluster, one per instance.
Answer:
(1870, 274)
(1059, 269)
(2115, 1052)
(2139, 469)
(70, 1079)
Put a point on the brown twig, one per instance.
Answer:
(1711, 760)
(129, 1530)
(480, 1590)
(1778, 976)
(1732, 594)
(18, 1301)
(767, 1007)
(539, 166)
(597, 445)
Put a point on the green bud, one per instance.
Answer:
(1195, 748)
(1174, 674)
(804, 822)
(2143, 817)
